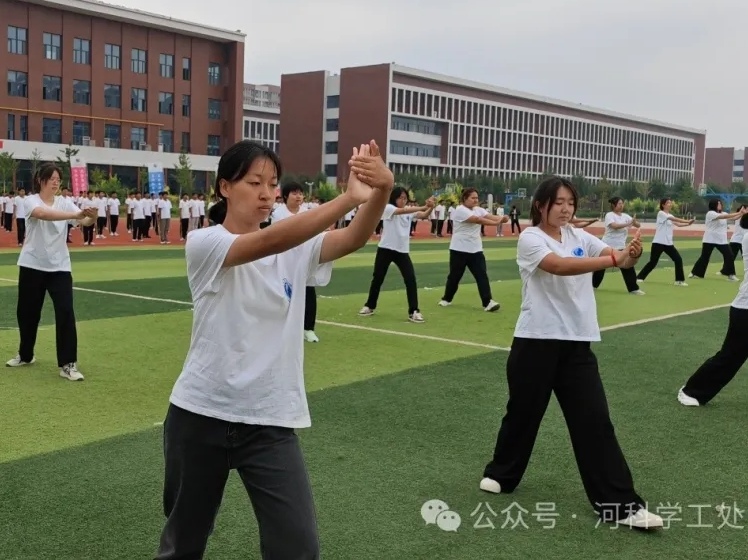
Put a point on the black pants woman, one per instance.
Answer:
(654, 258)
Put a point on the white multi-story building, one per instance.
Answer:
(262, 115)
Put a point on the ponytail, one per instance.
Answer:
(217, 212)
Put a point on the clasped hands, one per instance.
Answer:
(368, 172)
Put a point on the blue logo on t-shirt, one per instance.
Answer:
(578, 252)
(288, 288)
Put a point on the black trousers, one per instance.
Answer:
(146, 226)
(310, 309)
(476, 264)
(8, 221)
(129, 222)
(537, 368)
(88, 234)
(736, 249)
(715, 373)
(728, 260)
(200, 452)
(113, 222)
(33, 286)
(654, 258)
(138, 228)
(21, 229)
(184, 227)
(629, 277)
(382, 261)
(515, 222)
(100, 225)
(154, 221)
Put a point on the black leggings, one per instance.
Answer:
(654, 257)
(310, 309)
(476, 263)
(728, 259)
(737, 249)
(629, 277)
(381, 264)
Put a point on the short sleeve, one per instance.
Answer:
(710, 216)
(609, 218)
(205, 252)
(69, 206)
(480, 212)
(389, 211)
(29, 204)
(317, 274)
(531, 250)
(461, 214)
(593, 245)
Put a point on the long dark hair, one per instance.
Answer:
(546, 194)
(43, 174)
(235, 164)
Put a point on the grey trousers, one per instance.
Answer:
(199, 454)
(163, 228)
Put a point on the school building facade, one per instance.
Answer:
(725, 166)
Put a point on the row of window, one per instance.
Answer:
(52, 43)
(52, 133)
(261, 129)
(496, 116)
(81, 95)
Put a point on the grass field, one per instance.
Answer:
(402, 414)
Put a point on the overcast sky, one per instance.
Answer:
(679, 61)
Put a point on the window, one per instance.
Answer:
(16, 40)
(112, 133)
(331, 147)
(214, 74)
(112, 56)
(52, 130)
(186, 69)
(214, 109)
(333, 101)
(139, 61)
(81, 51)
(186, 142)
(331, 170)
(214, 145)
(331, 125)
(112, 96)
(166, 61)
(82, 92)
(186, 105)
(81, 130)
(138, 100)
(166, 103)
(52, 88)
(137, 138)
(18, 84)
(24, 128)
(11, 127)
(166, 139)
(52, 46)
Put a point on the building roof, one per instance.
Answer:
(434, 77)
(141, 18)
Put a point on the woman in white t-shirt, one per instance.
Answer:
(617, 223)
(551, 353)
(736, 240)
(715, 237)
(240, 395)
(292, 195)
(466, 249)
(663, 243)
(394, 247)
(716, 372)
(44, 267)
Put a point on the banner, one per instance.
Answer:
(78, 176)
(155, 178)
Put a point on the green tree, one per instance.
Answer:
(8, 167)
(657, 189)
(185, 177)
(64, 163)
(36, 161)
(143, 179)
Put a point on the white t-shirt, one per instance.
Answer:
(737, 234)
(466, 235)
(184, 209)
(164, 207)
(282, 212)
(557, 307)
(138, 210)
(616, 238)
(395, 230)
(45, 247)
(113, 206)
(716, 230)
(9, 204)
(438, 212)
(664, 229)
(201, 208)
(20, 203)
(246, 358)
(101, 205)
(129, 202)
(741, 300)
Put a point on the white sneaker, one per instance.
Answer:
(443, 303)
(366, 312)
(681, 283)
(733, 278)
(17, 362)
(416, 317)
(637, 293)
(309, 336)
(490, 485)
(685, 400)
(642, 519)
(71, 373)
(492, 306)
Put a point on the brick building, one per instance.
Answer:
(725, 166)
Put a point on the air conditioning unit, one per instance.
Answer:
(141, 146)
(106, 143)
(86, 140)
(160, 147)
(92, 143)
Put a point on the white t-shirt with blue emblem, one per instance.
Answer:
(245, 363)
(557, 307)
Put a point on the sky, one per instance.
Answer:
(678, 61)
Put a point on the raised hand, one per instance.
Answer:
(430, 202)
(356, 188)
(371, 169)
(634, 249)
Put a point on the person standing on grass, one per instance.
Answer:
(20, 209)
(663, 243)
(44, 266)
(551, 353)
(88, 231)
(164, 214)
(716, 372)
(292, 195)
(113, 213)
(466, 249)
(394, 247)
(617, 224)
(715, 237)
(240, 395)
(736, 241)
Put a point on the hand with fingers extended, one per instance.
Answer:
(371, 169)
(355, 188)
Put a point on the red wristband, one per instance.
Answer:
(613, 258)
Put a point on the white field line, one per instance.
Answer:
(411, 334)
